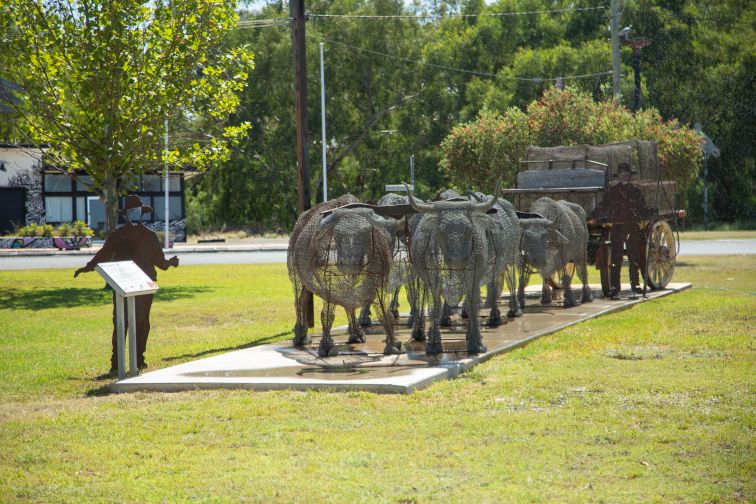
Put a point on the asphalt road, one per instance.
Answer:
(687, 248)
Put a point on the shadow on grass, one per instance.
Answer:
(70, 297)
(263, 341)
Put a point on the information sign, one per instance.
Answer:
(398, 187)
(126, 278)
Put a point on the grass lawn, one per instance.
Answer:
(717, 235)
(652, 404)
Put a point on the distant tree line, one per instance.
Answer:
(383, 104)
(95, 79)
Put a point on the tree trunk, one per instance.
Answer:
(110, 195)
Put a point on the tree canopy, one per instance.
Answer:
(100, 77)
(399, 78)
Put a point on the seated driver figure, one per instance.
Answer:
(133, 242)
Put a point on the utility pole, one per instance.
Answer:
(300, 92)
(300, 97)
(615, 49)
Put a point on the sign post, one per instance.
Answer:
(128, 281)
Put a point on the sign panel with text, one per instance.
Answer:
(126, 278)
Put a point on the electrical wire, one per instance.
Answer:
(263, 23)
(442, 16)
(462, 70)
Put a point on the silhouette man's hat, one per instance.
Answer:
(625, 167)
(133, 201)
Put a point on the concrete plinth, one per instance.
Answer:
(363, 366)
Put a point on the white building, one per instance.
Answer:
(32, 192)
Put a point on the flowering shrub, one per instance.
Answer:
(479, 152)
(78, 229)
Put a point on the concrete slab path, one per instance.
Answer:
(363, 366)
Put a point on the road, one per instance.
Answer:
(687, 248)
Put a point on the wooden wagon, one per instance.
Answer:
(641, 202)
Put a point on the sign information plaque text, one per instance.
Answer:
(126, 278)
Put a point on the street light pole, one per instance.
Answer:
(323, 125)
(166, 242)
(615, 49)
(637, 44)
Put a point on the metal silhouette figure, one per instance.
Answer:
(133, 242)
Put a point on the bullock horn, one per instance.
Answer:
(542, 221)
(488, 205)
(328, 222)
(419, 207)
(378, 220)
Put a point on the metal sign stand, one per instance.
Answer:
(128, 281)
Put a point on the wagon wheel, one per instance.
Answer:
(660, 255)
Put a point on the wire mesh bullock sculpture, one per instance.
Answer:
(343, 255)
(450, 252)
(555, 233)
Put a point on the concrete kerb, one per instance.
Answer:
(178, 249)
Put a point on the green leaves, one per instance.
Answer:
(102, 75)
(490, 147)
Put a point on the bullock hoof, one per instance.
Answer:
(476, 348)
(418, 334)
(569, 303)
(445, 322)
(587, 296)
(301, 338)
(327, 349)
(495, 320)
(545, 300)
(433, 347)
(392, 349)
(513, 314)
(463, 314)
(356, 338)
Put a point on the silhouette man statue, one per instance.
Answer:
(133, 242)
(627, 209)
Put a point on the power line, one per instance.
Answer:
(441, 16)
(462, 70)
(263, 23)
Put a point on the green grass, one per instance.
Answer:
(652, 404)
(718, 235)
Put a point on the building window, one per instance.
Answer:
(83, 183)
(58, 209)
(57, 183)
(151, 183)
(81, 209)
(174, 183)
(174, 208)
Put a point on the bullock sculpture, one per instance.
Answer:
(344, 256)
(451, 255)
(554, 234)
(402, 272)
(505, 244)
